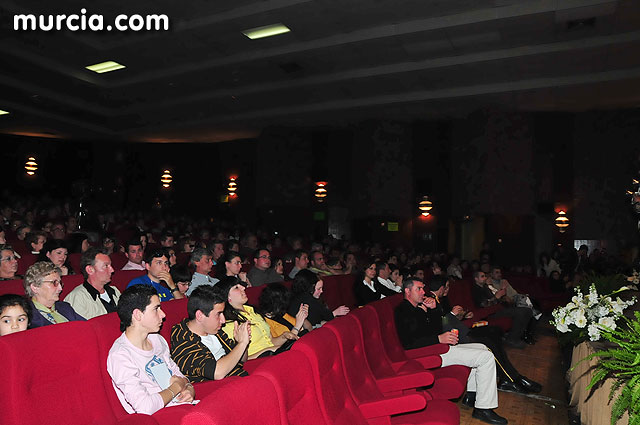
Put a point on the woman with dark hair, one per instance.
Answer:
(307, 289)
(274, 301)
(56, 252)
(78, 243)
(233, 265)
(366, 288)
(237, 311)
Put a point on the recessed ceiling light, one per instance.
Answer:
(266, 31)
(3, 112)
(103, 67)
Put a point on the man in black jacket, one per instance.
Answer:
(419, 324)
(491, 336)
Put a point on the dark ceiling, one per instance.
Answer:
(344, 60)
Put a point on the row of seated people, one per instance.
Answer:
(325, 378)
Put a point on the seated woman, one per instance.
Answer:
(278, 266)
(366, 288)
(142, 372)
(43, 285)
(15, 312)
(55, 251)
(274, 301)
(307, 289)
(236, 311)
(233, 265)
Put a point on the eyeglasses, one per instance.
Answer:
(54, 283)
(10, 258)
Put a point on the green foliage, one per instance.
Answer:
(605, 284)
(622, 364)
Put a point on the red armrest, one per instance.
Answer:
(405, 382)
(137, 419)
(393, 406)
(431, 350)
(430, 362)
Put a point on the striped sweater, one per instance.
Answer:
(193, 358)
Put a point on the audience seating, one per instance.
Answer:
(118, 260)
(450, 382)
(26, 260)
(362, 400)
(460, 294)
(67, 382)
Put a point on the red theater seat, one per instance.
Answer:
(450, 382)
(121, 278)
(70, 282)
(60, 383)
(118, 260)
(460, 294)
(296, 393)
(12, 287)
(338, 290)
(336, 394)
(26, 261)
(176, 310)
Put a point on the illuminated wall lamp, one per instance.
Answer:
(31, 166)
(321, 191)
(425, 206)
(166, 179)
(232, 187)
(562, 221)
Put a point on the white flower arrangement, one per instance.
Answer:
(591, 312)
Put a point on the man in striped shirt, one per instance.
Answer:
(199, 348)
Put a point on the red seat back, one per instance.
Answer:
(118, 260)
(320, 347)
(294, 387)
(176, 310)
(338, 290)
(70, 282)
(12, 287)
(37, 365)
(26, 261)
(121, 278)
(106, 329)
(74, 262)
(379, 361)
(230, 404)
(391, 343)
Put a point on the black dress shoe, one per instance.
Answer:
(489, 416)
(512, 386)
(529, 385)
(469, 399)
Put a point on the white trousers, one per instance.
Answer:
(482, 379)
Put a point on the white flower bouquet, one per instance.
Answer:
(586, 315)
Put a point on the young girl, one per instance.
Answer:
(14, 314)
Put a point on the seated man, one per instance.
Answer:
(95, 296)
(301, 262)
(142, 373)
(419, 324)
(491, 336)
(484, 297)
(387, 287)
(202, 260)
(158, 276)
(261, 273)
(8, 263)
(318, 265)
(200, 348)
(134, 254)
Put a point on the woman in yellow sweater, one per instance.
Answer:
(237, 311)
